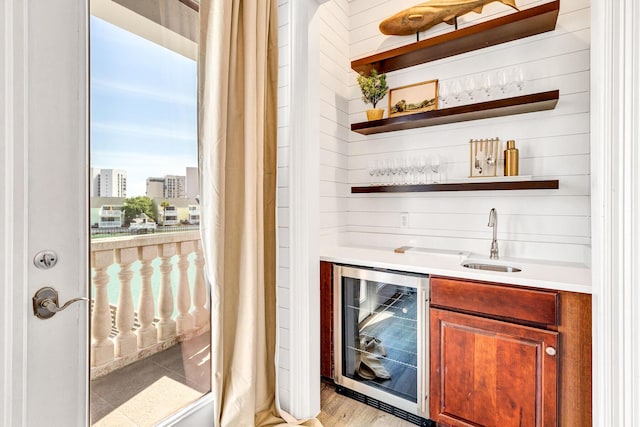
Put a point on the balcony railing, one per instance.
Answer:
(135, 333)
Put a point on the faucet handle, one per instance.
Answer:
(494, 254)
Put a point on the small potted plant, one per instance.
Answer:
(374, 88)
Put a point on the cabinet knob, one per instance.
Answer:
(551, 351)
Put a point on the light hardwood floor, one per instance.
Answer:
(341, 411)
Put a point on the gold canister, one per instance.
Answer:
(511, 159)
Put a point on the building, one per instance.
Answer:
(168, 215)
(155, 187)
(180, 210)
(111, 216)
(194, 214)
(108, 183)
(168, 187)
(174, 186)
(94, 183)
(104, 212)
(192, 184)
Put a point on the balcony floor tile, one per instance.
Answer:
(153, 388)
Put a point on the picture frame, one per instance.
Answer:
(414, 98)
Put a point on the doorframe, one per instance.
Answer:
(615, 215)
(13, 154)
(304, 182)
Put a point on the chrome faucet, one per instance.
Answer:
(493, 222)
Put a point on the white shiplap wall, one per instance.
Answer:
(334, 120)
(283, 204)
(542, 224)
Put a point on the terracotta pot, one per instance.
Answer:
(375, 114)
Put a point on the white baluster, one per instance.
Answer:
(126, 340)
(166, 326)
(147, 332)
(200, 313)
(184, 321)
(101, 345)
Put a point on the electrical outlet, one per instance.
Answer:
(404, 220)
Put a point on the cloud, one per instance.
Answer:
(143, 131)
(146, 92)
(136, 159)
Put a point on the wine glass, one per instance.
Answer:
(456, 91)
(518, 78)
(504, 79)
(373, 170)
(487, 83)
(443, 93)
(381, 171)
(394, 169)
(405, 168)
(434, 166)
(421, 170)
(470, 87)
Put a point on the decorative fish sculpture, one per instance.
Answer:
(425, 15)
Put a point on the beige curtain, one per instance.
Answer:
(238, 68)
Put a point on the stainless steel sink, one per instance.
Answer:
(491, 267)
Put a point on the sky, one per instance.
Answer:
(143, 107)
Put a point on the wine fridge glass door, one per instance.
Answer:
(382, 334)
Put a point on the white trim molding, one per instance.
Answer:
(304, 270)
(13, 207)
(615, 166)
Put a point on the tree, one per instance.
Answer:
(134, 206)
(374, 87)
(165, 204)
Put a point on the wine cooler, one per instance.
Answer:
(381, 339)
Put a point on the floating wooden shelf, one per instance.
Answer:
(511, 27)
(552, 184)
(482, 110)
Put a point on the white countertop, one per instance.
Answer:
(539, 274)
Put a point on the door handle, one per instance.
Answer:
(45, 303)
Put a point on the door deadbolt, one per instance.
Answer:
(45, 260)
(45, 303)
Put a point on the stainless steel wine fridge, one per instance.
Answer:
(381, 340)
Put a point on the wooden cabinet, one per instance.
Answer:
(492, 360)
(509, 356)
(517, 305)
(326, 320)
(491, 373)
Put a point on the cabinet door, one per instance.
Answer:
(490, 373)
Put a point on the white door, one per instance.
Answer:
(44, 208)
(44, 205)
